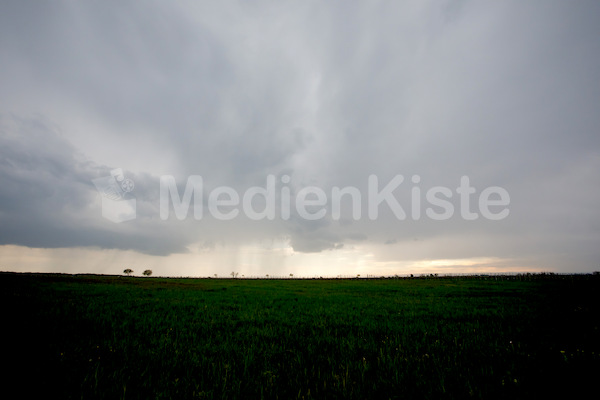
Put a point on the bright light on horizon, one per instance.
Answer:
(247, 261)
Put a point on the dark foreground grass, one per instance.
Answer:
(148, 338)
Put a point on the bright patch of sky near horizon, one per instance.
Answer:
(506, 93)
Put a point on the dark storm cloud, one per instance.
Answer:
(47, 195)
(506, 93)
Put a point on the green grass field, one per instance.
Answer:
(155, 338)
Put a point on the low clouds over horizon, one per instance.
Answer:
(327, 94)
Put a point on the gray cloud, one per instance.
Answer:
(48, 200)
(328, 94)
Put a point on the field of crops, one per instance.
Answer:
(155, 338)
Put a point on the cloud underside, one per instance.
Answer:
(327, 94)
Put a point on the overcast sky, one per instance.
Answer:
(325, 93)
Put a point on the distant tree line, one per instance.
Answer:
(129, 271)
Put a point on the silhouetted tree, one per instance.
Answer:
(128, 271)
(148, 272)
